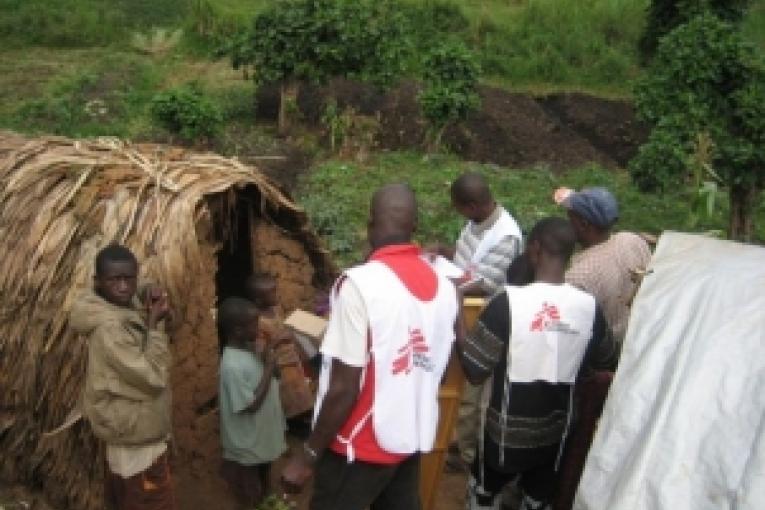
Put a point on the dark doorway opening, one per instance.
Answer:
(235, 256)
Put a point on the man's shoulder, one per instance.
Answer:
(626, 237)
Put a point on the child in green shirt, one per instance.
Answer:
(252, 424)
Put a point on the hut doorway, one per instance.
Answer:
(235, 258)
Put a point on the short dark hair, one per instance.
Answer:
(520, 271)
(113, 253)
(556, 235)
(471, 188)
(233, 312)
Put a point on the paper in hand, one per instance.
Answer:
(446, 268)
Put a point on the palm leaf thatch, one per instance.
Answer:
(60, 202)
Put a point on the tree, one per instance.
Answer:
(666, 15)
(705, 83)
(450, 80)
(295, 41)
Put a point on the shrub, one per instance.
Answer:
(297, 41)
(450, 76)
(188, 112)
(666, 15)
(705, 81)
(314, 40)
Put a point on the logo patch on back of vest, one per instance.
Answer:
(413, 354)
(549, 319)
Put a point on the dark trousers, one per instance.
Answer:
(536, 478)
(591, 397)
(248, 484)
(360, 485)
(151, 489)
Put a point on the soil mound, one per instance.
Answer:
(560, 131)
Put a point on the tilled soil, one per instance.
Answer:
(558, 131)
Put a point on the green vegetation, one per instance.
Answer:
(666, 15)
(87, 96)
(82, 23)
(188, 112)
(533, 45)
(705, 88)
(336, 196)
(92, 67)
(450, 81)
(299, 41)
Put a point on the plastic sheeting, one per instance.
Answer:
(683, 425)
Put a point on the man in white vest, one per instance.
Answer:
(535, 340)
(488, 243)
(389, 337)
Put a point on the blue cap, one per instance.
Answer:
(596, 205)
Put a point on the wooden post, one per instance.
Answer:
(449, 396)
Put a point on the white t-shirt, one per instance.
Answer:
(346, 335)
(127, 461)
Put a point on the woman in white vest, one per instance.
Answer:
(535, 340)
(390, 333)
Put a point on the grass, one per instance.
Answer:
(579, 44)
(336, 196)
(527, 45)
(754, 25)
(65, 91)
(79, 93)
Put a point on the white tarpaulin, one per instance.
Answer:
(683, 425)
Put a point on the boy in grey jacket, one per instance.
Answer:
(127, 394)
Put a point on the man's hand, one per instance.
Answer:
(297, 472)
(157, 305)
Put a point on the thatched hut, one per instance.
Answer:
(199, 223)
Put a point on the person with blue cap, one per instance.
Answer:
(606, 267)
(607, 263)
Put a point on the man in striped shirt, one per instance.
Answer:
(490, 239)
(488, 243)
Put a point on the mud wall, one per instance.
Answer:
(196, 359)
(195, 389)
(276, 252)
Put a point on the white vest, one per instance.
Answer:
(551, 326)
(411, 341)
(505, 226)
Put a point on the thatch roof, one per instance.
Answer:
(62, 200)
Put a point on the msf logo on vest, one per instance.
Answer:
(413, 354)
(548, 319)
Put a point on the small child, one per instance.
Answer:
(252, 424)
(297, 397)
(262, 291)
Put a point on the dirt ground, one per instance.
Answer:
(559, 131)
(206, 494)
(213, 494)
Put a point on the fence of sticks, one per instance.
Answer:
(197, 223)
